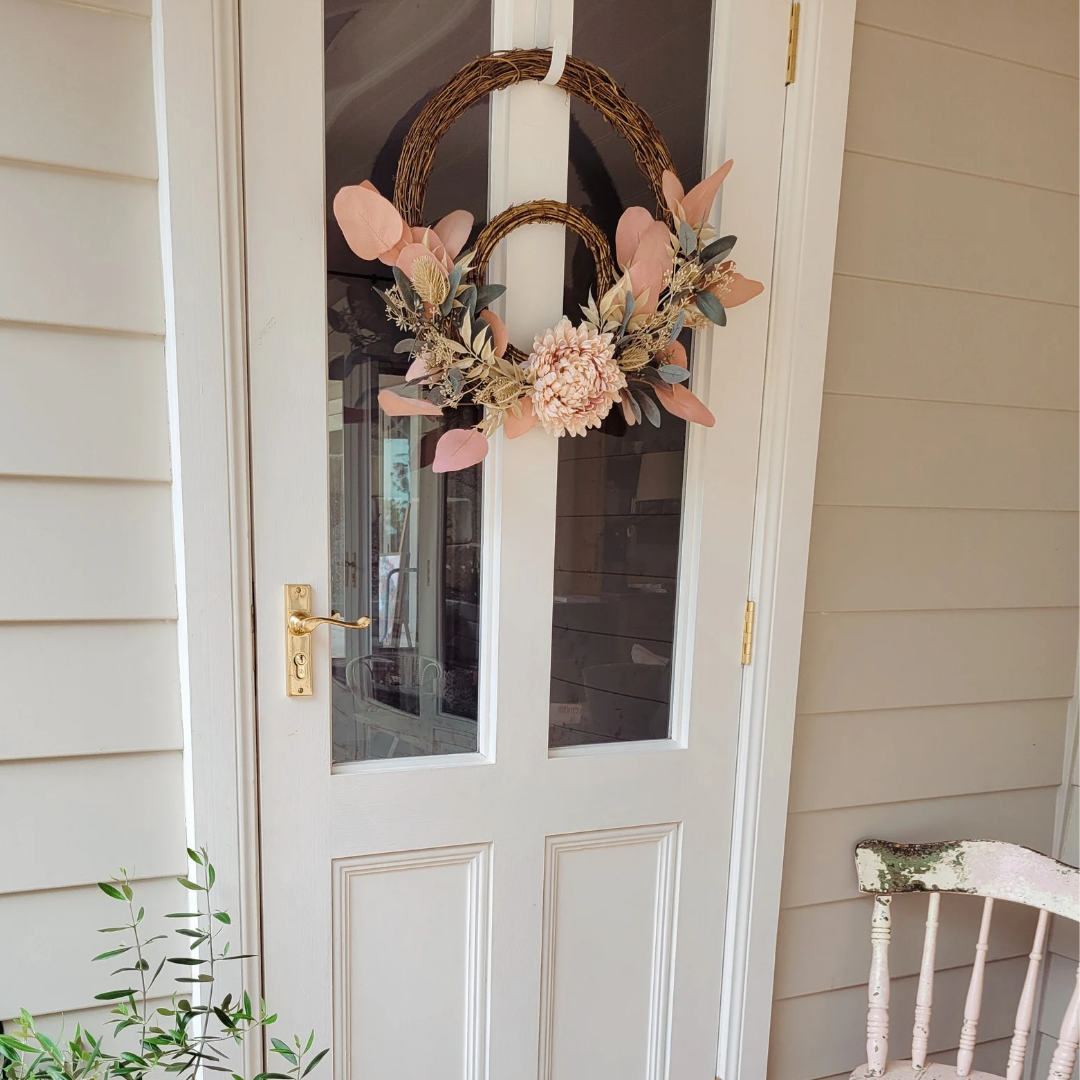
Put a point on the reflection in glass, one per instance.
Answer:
(619, 508)
(404, 541)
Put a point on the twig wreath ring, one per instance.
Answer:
(669, 273)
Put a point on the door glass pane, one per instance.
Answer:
(404, 541)
(619, 509)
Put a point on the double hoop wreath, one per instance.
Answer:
(668, 274)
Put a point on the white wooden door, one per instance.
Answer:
(495, 839)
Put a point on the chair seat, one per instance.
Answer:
(904, 1070)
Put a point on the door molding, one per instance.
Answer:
(197, 80)
(814, 126)
(197, 106)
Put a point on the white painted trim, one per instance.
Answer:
(814, 129)
(196, 87)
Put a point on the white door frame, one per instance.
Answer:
(197, 79)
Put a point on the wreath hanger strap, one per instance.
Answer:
(559, 51)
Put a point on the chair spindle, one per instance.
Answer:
(965, 1056)
(924, 999)
(1026, 1009)
(1064, 1059)
(877, 1016)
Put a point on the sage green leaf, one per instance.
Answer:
(188, 884)
(405, 345)
(687, 237)
(710, 307)
(718, 249)
(648, 407)
(222, 917)
(193, 855)
(112, 952)
(315, 1061)
(488, 294)
(114, 995)
(672, 373)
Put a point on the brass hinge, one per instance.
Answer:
(748, 633)
(792, 44)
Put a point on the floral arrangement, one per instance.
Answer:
(624, 352)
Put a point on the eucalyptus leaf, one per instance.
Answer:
(709, 306)
(405, 345)
(672, 373)
(677, 329)
(468, 300)
(648, 407)
(337, 323)
(718, 249)
(635, 408)
(488, 294)
(687, 237)
(627, 314)
(404, 285)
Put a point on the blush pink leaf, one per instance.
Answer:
(370, 223)
(736, 289)
(395, 405)
(453, 230)
(674, 354)
(680, 402)
(516, 426)
(698, 200)
(458, 449)
(632, 226)
(417, 370)
(673, 191)
(500, 336)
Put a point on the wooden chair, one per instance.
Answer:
(994, 871)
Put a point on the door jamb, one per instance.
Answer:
(197, 91)
(814, 127)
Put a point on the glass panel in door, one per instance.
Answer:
(404, 541)
(620, 493)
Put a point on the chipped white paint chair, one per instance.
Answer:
(987, 868)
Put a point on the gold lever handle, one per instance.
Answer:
(301, 623)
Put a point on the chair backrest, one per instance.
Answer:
(987, 868)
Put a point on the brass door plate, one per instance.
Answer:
(297, 646)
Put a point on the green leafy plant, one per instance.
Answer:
(193, 1031)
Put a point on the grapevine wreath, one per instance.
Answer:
(672, 272)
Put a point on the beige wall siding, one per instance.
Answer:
(90, 722)
(940, 633)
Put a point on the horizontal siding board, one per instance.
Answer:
(955, 231)
(883, 452)
(90, 688)
(1065, 939)
(97, 1021)
(88, 250)
(819, 856)
(888, 110)
(86, 550)
(827, 946)
(1060, 983)
(866, 558)
(1044, 37)
(930, 752)
(82, 404)
(890, 339)
(894, 660)
(61, 976)
(825, 1034)
(91, 816)
(76, 88)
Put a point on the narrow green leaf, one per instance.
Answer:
(223, 917)
(115, 995)
(184, 915)
(211, 875)
(112, 952)
(687, 237)
(718, 249)
(710, 307)
(676, 330)
(110, 890)
(189, 961)
(648, 407)
(315, 1061)
(190, 885)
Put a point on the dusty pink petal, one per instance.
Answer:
(500, 336)
(673, 190)
(736, 289)
(395, 405)
(698, 201)
(453, 230)
(647, 274)
(627, 410)
(632, 227)
(417, 370)
(516, 426)
(680, 402)
(410, 253)
(369, 223)
(674, 354)
(458, 449)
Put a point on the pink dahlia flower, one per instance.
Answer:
(576, 378)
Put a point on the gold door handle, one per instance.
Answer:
(299, 622)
